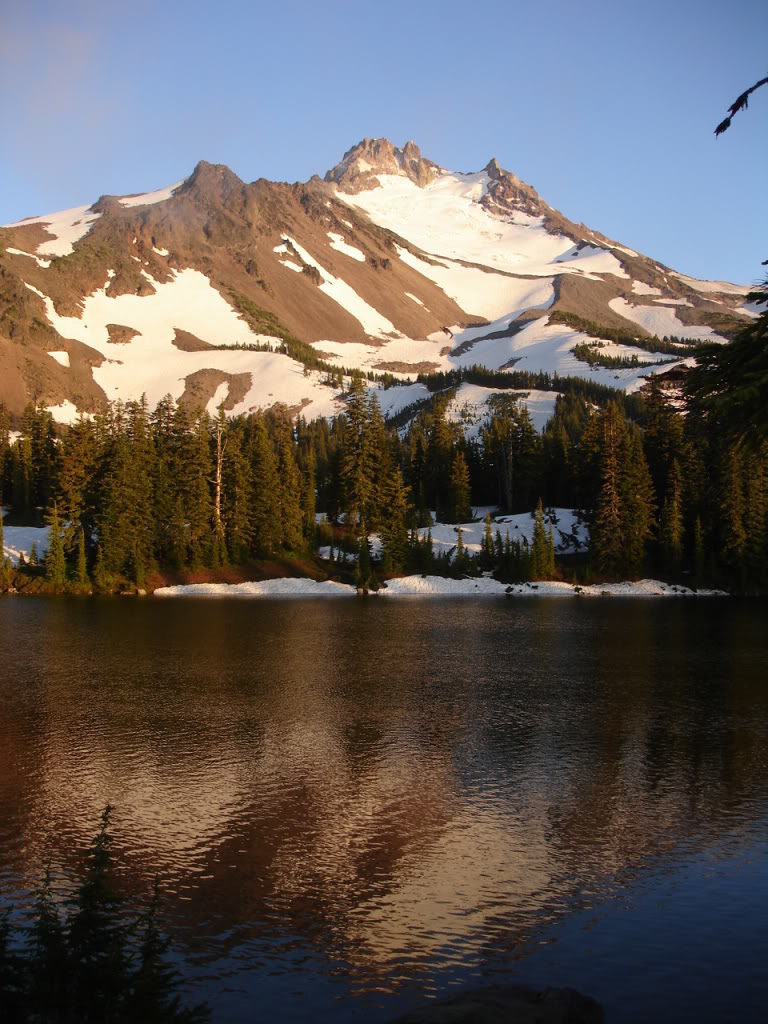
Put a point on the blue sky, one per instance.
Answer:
(607, 108)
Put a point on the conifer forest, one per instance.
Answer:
(132, 495)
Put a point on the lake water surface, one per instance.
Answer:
(360, 805)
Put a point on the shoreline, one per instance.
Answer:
(430, 586)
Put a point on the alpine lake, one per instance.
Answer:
(355, 807)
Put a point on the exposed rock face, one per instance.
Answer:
(360, 165)
(515, 1004)
(322, 263)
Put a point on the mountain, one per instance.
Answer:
(215, 290)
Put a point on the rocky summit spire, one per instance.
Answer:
(372, 157)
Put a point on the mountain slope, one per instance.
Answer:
(215, 290)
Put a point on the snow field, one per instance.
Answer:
(62, 358)
(540, 346)
(66, 226)
(570, 534)
(372, 322)
(20, 252)
(289, 587)
(19, 540)
(151, 364)
(338, 243)
(471, 407)
(445, 218)
(480, 292)
(150, 198)
(661, 321)
(432, 586)
(721, 287)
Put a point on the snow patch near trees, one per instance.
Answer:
(150, 364)
(432, 586)
(289, 587)
(64, 412)
(19, 540)
(661, 321)
(471, 407)
(569, 531)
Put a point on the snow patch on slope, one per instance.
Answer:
(151, 364)
(445, 219)
(720, 287)
(471, 407)
(662, 321)
(67, 227)
(372, 322)
(481, 292)
(20, 252)
(338, 243)
(64, 412)
(150, 198)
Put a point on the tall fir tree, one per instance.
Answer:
(55, 564)
(671, 525)
(460, 493)
(606, 531)
(637, 503)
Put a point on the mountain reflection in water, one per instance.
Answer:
(359, 803)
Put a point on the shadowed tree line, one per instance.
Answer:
(131, 492)
(91, 959)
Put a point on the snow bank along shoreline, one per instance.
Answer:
(433, 586)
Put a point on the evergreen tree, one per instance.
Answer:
(698, 550)
(733, 508)
(49, 963)
(606, 531)
(289, 487)
(153, 997)
(756, 512)
(637, 503)
(487, 557)
(55, 565)
(238, 495)
(394, 531)
(97, 938)
(540, 566)
(357, 462)
(101, 577)
(308, 494)
(439, 455)
(672, 520)
(82, 567)
(265, 527)
(460, 496)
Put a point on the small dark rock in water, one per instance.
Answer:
(514, 1004)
